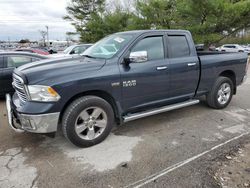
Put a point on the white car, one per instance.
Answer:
(230, 48)
(246, 49)
(72, 50)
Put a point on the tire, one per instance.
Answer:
(90, 114)
(215, 98)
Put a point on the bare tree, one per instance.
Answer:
(43, 35)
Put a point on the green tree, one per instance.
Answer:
(156, 14)
(209, 20)
(23, 41)
(212, 20)
(81, 12)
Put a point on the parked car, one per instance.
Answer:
(230, 48)
(246, 49)
(33, 50)
(8, 62)
(73, 50)
(50, 50)
(144, 76)
(200, 47)
(212, 48)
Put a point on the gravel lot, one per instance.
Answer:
(182, 148)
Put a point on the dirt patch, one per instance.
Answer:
(234, 171)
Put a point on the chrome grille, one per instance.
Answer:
(18, 85)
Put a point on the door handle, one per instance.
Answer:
(191, 64)
(162, 68)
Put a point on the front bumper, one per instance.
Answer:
(42, 123)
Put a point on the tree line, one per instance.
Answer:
(209, 21)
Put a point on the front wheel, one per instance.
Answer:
(87, 121)
(221, 93)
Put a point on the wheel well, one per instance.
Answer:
(102, 94)
(230, 74)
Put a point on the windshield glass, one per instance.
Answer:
(109, 46)
(67, 50)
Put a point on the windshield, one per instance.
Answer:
(109, 46)
(67, 50)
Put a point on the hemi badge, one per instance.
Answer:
(115, 84)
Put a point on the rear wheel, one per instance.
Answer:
(221, 93)
(87, 121)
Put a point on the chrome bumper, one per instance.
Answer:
(44, 123)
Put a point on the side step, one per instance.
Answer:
(131, 117)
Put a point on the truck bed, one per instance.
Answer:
(212, 65)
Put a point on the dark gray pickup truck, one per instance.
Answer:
(123, 77)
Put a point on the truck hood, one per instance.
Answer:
(56, 69)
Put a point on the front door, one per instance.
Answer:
(145, 83)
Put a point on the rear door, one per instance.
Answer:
(184, 67)
(146, 83)
(10, 63)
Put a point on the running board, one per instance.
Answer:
(131, 117)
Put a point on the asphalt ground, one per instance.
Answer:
(180, 148)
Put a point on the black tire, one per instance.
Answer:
(212, 97)
(72, 113)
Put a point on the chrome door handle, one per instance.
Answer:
(191, 64)
(162, 68)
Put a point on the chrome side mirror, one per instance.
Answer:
(138, 57)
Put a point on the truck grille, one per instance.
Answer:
(18, 85)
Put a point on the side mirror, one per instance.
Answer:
(72, 52)
(137, 57)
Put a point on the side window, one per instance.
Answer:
(16, 61)
(81, 49)
(178, 46)
(75, 50)
(1, 62)
(152, 45)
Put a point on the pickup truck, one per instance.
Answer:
(150, 72)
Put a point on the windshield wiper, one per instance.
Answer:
(89, 56)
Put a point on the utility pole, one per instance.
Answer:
(9, 40)
(47, 27)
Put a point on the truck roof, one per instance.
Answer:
(139, 32)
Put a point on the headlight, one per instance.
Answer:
(42, 93)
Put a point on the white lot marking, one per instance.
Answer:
(236, 129)
(209, 139)
(13, 172)
(175, 143)
(104, 156)
(167, 170)
(219, 136)
(213, 138)
(235, 114)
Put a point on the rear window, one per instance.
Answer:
(178, 46)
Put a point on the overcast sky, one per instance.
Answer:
(24, 18)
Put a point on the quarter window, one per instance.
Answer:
(16, 61)
(179, 46)
(153, 46)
